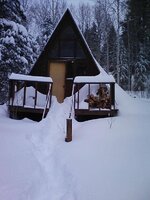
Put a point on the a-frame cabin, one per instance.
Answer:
(68, 65)
(65, 56)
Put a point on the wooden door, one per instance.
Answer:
(57, 73)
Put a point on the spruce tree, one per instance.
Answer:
(136, 35)
(124, 73)
(141, 76)
(108, 56)
(92, 38)
(47, 14)
(17, 50)
(10, 10)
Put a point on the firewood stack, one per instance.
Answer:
(102, 100)
(92, 100)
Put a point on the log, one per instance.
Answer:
(100, 101)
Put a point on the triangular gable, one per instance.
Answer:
(66, 20)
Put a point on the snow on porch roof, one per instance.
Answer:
(22, 77)
(101, 78)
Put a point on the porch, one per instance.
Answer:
(94, 97)
(25, 100)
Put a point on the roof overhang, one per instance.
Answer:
(22, 77)
(101, 78)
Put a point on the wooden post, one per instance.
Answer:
(69, 130)
(24, 96)
(35, 100)
(99, 98)
(74, 97)
(78, 97)
(50, 97)
(13, 95)
(89, 95)
(112, 94)
(10, 92)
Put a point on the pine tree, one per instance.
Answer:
(47, 14)
(136, 35)
(108, 56)
(17, 49)
(11, 10)
(141, 76)
(92, 38)
(123, 66)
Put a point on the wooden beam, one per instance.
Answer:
(99, 98)
(35, 100)
(85, 112)
(21, 109)
(74, 96)
(24, 95)
(48, 96)
(112, 94)
(78, 98)
(13, 94)
(10, 91)
(89, 95)
(50, 100)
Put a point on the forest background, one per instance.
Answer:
(117, 32)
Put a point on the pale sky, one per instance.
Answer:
(76, 2)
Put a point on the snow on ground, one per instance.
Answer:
(28, 164)
(18, 167)
(108, 159)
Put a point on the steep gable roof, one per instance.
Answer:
(67, 18)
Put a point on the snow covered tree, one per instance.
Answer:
(108, 56)
(84, 16)
(136, 36)
(92, 38)
(140, 77)
(103, 21)
(47, 14)
(26, 4)
(11, 10)
(100, 18)
(124, 72)
(17, 49)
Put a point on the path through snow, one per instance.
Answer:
(46, 144)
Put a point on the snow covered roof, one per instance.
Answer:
(22, 77)
(101, 78)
